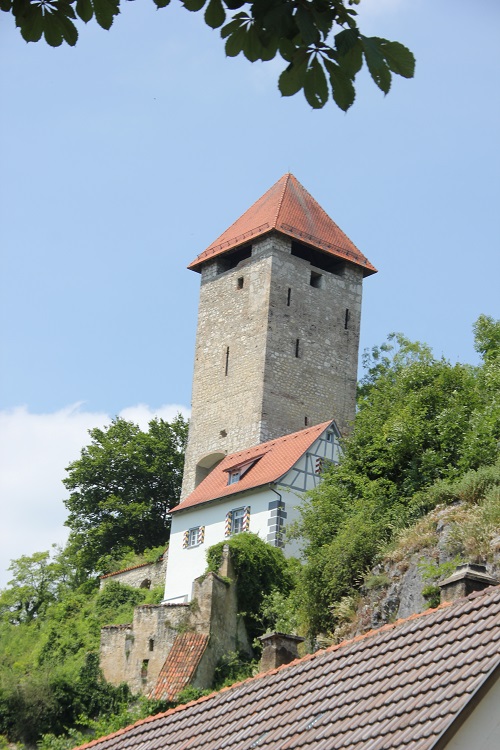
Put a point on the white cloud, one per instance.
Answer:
(142, 414)
(35, 449)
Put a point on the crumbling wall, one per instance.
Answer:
(146, 576)
(135, 653)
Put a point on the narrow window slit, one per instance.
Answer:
(297, 347)
(240, 282)
(289, 296)
(346, 320)
(227, 360)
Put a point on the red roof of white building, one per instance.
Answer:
(271, 461)
(288, 208)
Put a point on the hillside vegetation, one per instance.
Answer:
(420, 420)
(425, 443)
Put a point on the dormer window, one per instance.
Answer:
(237, 471)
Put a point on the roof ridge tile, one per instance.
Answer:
(286, 178)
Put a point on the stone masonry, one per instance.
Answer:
(276, 350)
(135, 653)
(146, 576)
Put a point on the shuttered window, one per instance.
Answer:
(237, 521)
(193, 537)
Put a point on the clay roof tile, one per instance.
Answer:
(180, 666)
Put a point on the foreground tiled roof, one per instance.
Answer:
(180, 666)
(288, 208)
(272, 461)
(398, 687)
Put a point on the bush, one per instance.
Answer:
(234, 667)
(259, 570)
(116, 602)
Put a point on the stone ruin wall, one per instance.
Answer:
(147, 576)
(135, 653)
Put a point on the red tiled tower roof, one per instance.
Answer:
(272, 461)
(287, 208)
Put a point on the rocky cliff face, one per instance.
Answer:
(405, 581)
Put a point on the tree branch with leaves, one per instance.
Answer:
(319, 40)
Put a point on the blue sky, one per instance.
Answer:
(123, 158)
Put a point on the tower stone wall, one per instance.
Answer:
(229, 364)
(276, 350)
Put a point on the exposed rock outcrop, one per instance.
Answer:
(405, 581)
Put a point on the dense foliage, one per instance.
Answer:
(319, 41)
(51, 613)
(419, 420)
(122, 487)
(49, 664)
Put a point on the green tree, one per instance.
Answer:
(49, 664)
(36, 580)
(419, 420)
(122, 488)
(319, 40)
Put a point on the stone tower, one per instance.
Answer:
(278, 328)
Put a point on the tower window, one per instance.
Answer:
(297, 348)
(346, 319)
(288, 297)
(316, 280)
(306, 421)
(227, 361)
(144, 669)
(151, 644)
(240, 282)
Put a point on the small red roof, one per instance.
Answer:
(288, 208)
(272, 461)
(180, 666)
